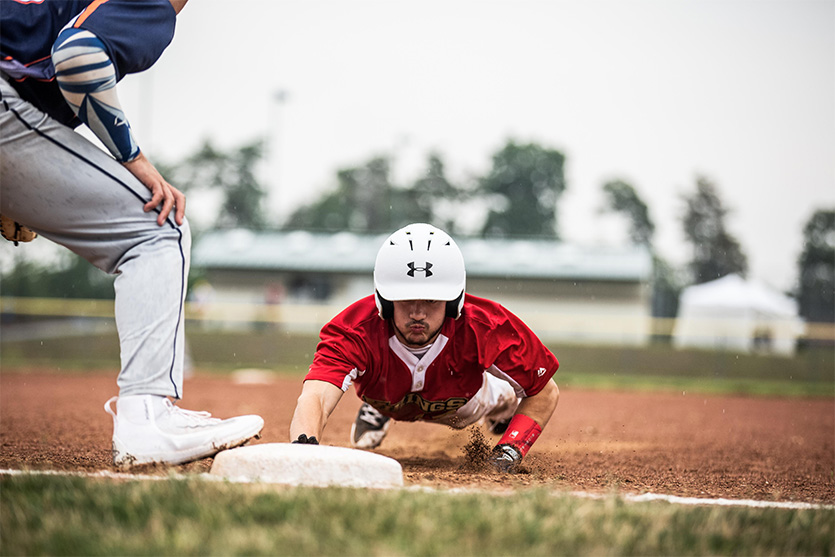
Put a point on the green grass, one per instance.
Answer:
(218, 350)
(661, 368)
(49, 515)
(810, 373)
(685, 385)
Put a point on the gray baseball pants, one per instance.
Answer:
(70, 191)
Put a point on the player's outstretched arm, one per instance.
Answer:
(541, 406)
(314, 407)
(531, 416)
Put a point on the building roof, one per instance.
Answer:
(345, 252)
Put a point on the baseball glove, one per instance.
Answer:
(15, 232)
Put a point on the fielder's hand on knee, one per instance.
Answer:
(163, 195)
(505, 458)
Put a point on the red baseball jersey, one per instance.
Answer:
(358, 347)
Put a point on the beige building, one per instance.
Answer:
(299, 280)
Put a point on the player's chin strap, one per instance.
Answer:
(515, 443)
(87, 79)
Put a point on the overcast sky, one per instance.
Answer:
(652, 92)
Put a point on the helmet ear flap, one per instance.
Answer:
(453, 307)
(385, 308)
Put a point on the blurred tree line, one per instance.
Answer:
(517, 197)
(521, 191)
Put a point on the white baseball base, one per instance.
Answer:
(310, 465)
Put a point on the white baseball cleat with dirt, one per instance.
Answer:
(148, 429)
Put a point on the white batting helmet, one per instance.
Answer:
(419, 262)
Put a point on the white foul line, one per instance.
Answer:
(675, 499)
(642, 498)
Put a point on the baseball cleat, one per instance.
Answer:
(149, 429)
(369, 428)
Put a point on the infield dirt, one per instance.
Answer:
(771, 449)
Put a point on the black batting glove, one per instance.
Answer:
(505, 458)
(305, 440)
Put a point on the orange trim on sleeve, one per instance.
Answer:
(87, 12)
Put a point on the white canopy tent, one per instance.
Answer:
(735, 314)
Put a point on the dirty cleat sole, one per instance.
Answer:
(150, 430)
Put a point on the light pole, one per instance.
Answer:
(274, 182)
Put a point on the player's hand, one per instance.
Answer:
(505, 458)
(162, 193)
(305, 440)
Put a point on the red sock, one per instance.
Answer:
(521, 433)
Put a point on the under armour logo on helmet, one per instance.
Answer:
(425, 269)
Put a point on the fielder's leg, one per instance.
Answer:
(73, 193)
(70, 191)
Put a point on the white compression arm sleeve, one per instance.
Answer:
(87, 79)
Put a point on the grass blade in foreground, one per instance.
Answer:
(77, 516)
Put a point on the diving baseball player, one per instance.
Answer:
(60, 62)
(419, 348)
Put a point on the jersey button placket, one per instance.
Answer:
(418, 378)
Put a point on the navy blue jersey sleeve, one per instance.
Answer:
(135, 32)
(27, 31)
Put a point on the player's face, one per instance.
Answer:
(418, 322)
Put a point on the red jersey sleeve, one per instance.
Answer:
(508, 348)
(343, 350)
